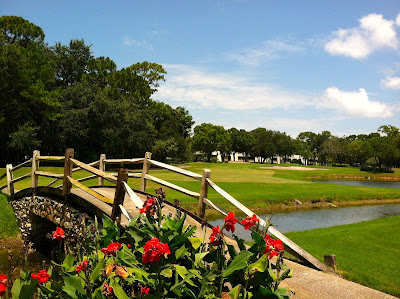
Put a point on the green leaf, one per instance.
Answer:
(118, 291)
(181, 251)
(97, 271)
(68, 261)
(184, 273)
(73, 285)
(199, 257)
(232, 251)
(196, 242)
(167, 272)
(235, 292)
(24, 289)
(238, 263)
(259, 266)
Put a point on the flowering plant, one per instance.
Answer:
(158, 256)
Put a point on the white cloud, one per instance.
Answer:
(270, 49)
(354, 103)
(130, 42)
(398, 20)
(391, 83)
(197, 88)
(374, 33)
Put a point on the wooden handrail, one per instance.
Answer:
(172, 186)
(3, 176)
(2, 187)
(50, 158)
(95, 163)
(49, 174)
(132, 195)
(19, 166)
(125, 213)
(177, 169)
(21, 177)
(95, 171)
(90, 191)
(214, 206)
(124, 161)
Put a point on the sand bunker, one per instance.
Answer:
(292, 168)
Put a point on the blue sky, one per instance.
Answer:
(291, 66)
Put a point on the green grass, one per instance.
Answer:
(367, 252)
(257, 188)
(8, 222)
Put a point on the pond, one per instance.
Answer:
(318, 218)
(367, 183)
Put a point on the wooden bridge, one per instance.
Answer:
(119, 201)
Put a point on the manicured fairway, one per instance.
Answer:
(257, 188)
(8, 222)
(367, 252)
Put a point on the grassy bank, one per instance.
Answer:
(8, 222)
(367, 252)
(260, 189)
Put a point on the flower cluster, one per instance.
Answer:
(272, 247)
(3, 284)
(216, 236)
(154, 251)
(149, 206)
(42, 276)
(144, 290)
(58, 234)
(111, 249)
(107, 291)
(230, 222)
(250, 221)
(82, 266)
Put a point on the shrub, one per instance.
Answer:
(157, 256)
(376, 169)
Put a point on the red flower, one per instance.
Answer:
(107, 291)
(250, 221)
(111, 249)
(3, 284)
(216, 236)
(82, 266)
(129, 245)
(42, 276)
(58, 234)
(230, 222)
(144, 290)
(273, 247)
(154, 251)
(149, 206)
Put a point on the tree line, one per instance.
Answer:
(60, 96)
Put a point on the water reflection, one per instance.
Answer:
(379, 184)
(319, 218)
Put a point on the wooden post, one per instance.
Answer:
(10, 185)
(66, 191)
(145, 171)
(201, 210)
(102, 167)
(330, 261)
(35, 167)
(119, 194)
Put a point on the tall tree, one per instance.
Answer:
(208, 138)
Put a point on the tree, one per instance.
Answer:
(151, 72)
(208, 138)
(17, 30)
(242, 141)
(264, 146)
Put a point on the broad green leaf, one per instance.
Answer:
(118, 291)
(232, 251)
(166, 272)
(97, 271)
(73, 285)
(68, 261)
(235, 292)
(238, 263)
(272, 274)
(259, 266)
(196, 242)
(23, 289)
(181, 251)
(184, 273)
(199, 257)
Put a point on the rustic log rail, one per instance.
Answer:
(121, 186)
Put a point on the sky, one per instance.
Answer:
(290, 66)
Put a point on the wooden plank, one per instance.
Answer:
(90, 191)
(50, 158)
(95, 163)
(124, 161)
(214, 206)
(21, 178)
(172, 186)
(177, 170)
(10, 184)
(125, 213)
(19, 166)
(3, 176)
(52, 182)
(49, 174)
(146, 167)
(135, 175)
(102, 167)
(119, 194)
(66, 189)
(132, 195)
(95, 171)
(87, 178)
(291, 247)
(201, 208)
(2, 187)
(35, 166)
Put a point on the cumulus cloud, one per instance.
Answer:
(196, 88)
(398, 20)
(391, 83)
(354, 103)
(270, 49)
(373, 33)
